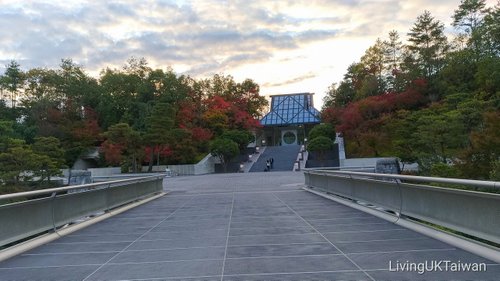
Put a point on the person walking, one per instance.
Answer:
(272, 162)
(268, 166)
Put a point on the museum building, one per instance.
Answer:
(289, 120)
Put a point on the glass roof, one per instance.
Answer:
(291, 109)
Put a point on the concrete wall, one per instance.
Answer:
(359, 162)
(371, 162)
(205, 166)
(101, 172)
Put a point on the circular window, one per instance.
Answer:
(289, 138)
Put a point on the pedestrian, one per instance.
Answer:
(268, 165)
(272, 162)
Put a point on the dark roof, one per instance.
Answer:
(291, 109)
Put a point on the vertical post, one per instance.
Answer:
(107, 198)
(52, 202)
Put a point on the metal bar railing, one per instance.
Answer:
(470, 212)
(477, 183)
(48, 209)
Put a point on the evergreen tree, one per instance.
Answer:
(393, 49)
(159, 129)
(428, 44)
(12, 81)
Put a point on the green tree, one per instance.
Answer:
(52, 156)
(18, 162)
(489, 33)
(224, 149)
(487, 79)
(320, 145)
(439, 135)
(428, 44)
(402, 129)
(12, 81)
(6, 134)
(159, 129)
(457, 75)
(339, 96)
(324, 129)
(479, 159)
(469, 15)
(393, 48)
(242, 138)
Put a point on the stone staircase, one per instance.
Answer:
(284, 158)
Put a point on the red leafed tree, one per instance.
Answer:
(362, 121)
(112, 152)
(201, 134)
(88, 129)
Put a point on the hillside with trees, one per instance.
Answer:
(432, 100)
(135, 116)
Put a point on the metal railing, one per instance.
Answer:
(25, 214)
(470, 212)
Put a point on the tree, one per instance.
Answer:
(470, 18)
(489, 33)
(18, 162)
(373, 59)
(457, 75)
(183, 146)
(487, 78)
(325, 130)
(469, 15)
(242, 138)
(320, 145)
(224, 149)
(127, 141)
(52, 156)
(159, 126)
(12, 80)
(6, 134)
(438, 136)
(393, 49)
(480, 159)
(339, 96)
(428, 44)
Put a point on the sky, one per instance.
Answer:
(286, 46)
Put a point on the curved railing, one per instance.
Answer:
(25, 214)
(470, 212)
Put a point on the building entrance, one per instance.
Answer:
(289, 137)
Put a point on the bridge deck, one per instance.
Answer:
(239, 227)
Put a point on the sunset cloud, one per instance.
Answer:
(283, 45)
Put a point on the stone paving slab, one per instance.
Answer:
(258, 226)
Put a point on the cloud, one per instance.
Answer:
(203, 36)
(41, 33)
(294, 80)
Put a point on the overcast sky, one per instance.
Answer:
(285, 46)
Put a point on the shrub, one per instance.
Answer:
(322, 130)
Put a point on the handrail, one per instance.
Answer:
(67, 188)
(39, 214)
(339, 168)
(474, 213)
(478, 183)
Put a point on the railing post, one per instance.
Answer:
(107, 198)
(52, 203)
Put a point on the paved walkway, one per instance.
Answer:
(258, 226)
